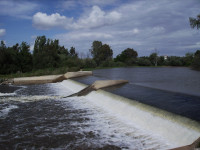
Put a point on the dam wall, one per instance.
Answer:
(48, 78)
(175, 129)
(36, 79)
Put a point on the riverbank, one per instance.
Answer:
(62, 70)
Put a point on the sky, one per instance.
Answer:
(147, 26)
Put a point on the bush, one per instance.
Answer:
(142, 61)
(89, 63)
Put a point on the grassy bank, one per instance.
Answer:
(40, 72)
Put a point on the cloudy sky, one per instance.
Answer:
(144, 25)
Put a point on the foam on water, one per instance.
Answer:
(112, 128)
(6, 94)
(25, 99)
(147, 124)
(4, 110)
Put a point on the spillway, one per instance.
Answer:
(174, 129)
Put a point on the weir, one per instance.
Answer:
(177, 130)
(98, 85)
(48, 78)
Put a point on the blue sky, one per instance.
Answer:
(144, 25)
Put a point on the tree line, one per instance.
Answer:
(48, 53)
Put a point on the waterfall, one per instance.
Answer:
(175, 129)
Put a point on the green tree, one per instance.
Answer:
(144, 61)
(39, 52)
(45, 53)
(96, 45)
(196, 61)
(174, 61)
(101, 52)
(153, 58)
(15, 58)
(72, 52)
(187, 60)
(127, 56)
(161, 60)
(25, 57)
(195, 22)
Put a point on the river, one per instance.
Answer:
(37, 117)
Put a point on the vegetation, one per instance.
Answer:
(48, 57)
(195, 22)
(101, 52)
(128, 56)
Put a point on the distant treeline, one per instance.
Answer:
(48, 53)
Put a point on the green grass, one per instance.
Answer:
(40, 72)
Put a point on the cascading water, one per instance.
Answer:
(175, 129)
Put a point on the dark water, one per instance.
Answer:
(175, 89)
(47, 123)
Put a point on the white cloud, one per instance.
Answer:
(83, 36)
(17, 8)
(44, 21)
(2, 32)
(95, 18)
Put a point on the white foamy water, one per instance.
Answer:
(158, 129)
(25, 99)
(6, 109)
(7, 94)
(112, 127)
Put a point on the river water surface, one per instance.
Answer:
(37, 117)
(175, 89)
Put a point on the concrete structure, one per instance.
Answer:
(70, 75)
(49, 78)
(194, 146)
(98, 85)
(106, 83)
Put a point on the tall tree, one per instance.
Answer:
(45, 54)
(72, 52)
(196, 60)
(154, 58)
(195, 22)
(101, 52)
(96, 45)
(25, 57)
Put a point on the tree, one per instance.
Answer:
(101, 52)
(96, 45)
(195, 22)
(72, 52)
(154, 58)
(187, 60)
(25, 57)
(144, 61)
(127, 56)
(196, 61)
(45, 53)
